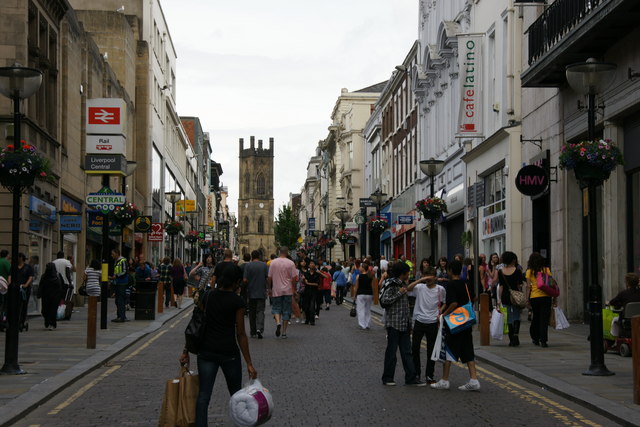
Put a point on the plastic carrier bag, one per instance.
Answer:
(251, 406)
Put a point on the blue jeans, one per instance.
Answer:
(513, 314)
(121, 300)
(208, 364)
(395, 339)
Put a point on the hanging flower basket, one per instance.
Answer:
(343, 236)
(203, 244)
(591, 161)
(20, 166)
(173, 227)
(192, 236)
(432, 207)
(378, 224)
(125, 214)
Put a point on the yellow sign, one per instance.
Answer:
(184, 206)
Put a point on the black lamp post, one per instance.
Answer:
(131, 167)
(173, 197)
(330, 227)
(378, 197)
(590, 78)
(432, 168)
(16, 83)
(343, 215)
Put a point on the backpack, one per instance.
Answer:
(386, 285)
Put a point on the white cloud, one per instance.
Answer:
(275, 69)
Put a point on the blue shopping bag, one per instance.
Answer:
(462, 317)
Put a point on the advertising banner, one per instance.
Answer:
(471, 102)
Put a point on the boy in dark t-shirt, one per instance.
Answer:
(459, 345)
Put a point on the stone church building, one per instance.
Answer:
(255, 204)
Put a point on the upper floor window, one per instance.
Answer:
(260, 225)
(260, 184)
(247, 184)
(246, 224)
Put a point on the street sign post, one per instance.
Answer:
(105, 200)
(405, 219)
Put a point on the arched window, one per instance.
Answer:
(247, 183)
(260, 225)
(260, 185)
(246, 224)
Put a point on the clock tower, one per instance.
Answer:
(255, 204)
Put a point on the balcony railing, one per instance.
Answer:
(555, 22)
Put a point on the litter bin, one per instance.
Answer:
(146, 299)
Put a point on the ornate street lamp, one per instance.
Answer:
(590, 78)
(378, 197)
(16, 83)
(432, 168)
(173, 197)
(343, 215)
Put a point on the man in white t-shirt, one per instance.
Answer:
(384, 264)
(64, 268)
(430, 299)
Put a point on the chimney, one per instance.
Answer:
(259, 144)
(241, 144)
(253, 142)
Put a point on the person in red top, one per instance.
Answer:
(325, 289)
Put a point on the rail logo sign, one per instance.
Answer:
(106, 116)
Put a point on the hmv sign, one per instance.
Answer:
(532, 180)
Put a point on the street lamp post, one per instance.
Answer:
(590, 78)
(173, 197)
(330, 227)
(131, 167)
(378, 197)
(343, 215)
(16, 83)
(432, 168)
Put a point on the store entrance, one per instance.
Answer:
(542, 226)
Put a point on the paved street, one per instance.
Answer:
(327, 375)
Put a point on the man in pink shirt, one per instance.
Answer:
(283, 277)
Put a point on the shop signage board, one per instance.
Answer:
(42, 209)
(105, 144)
(106, 116)
(367, 203)
(94, 224)
(113, 164)
(405, 219)
(185, 206)
(142, 224)
(532, 180)
(105, 200)
(157, 232)
(70, 223)
(470, 66)
(311, 224)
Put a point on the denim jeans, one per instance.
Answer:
(430, 331)
(208, 364)
(395, 339)
(121, 300)
(513, 314)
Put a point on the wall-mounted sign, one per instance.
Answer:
(70, 223)
(367, 203)
(311, 224)
(470, 66)
(42, 209)
(106, 116)
(405, 219)
(157, 233)
(142, 224)
(494, 224)
(185, 206)
(105, 144)
(94, 224)
(105, 164)
(532, 180)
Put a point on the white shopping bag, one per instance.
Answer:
(497, 325)
(438, 354)
(561, 319)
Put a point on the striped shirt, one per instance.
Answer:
(93, 282)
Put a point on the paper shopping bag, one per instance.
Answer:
(187, 397)
(169, 411)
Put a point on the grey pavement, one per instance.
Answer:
(559, 368)
(55, 359)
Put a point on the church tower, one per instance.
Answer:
(255, 204)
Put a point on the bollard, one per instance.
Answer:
(635, 352)
(92, 319)
(484, 319)
(160, 297)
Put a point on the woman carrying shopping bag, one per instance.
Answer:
(539, 301)
(510, 280)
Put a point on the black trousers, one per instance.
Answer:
(428, 331)
(541, 308)
(310, 299)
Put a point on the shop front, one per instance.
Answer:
(632, 171)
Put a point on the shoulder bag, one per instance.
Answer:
(194, 333)
(517, 298)
(548, 285)
(461, 318)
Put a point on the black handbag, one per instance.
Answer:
(353, 312)
(194, 333)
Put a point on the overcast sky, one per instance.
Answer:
(275, 69)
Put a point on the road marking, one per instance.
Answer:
(143, 346)
(83, 390)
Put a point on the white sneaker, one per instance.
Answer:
(441, 385)
(470, 386)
